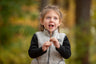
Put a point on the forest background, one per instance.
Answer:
(19, 20)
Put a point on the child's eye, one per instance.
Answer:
(48, 17)
(55, 18)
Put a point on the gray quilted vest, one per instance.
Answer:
(52, 56)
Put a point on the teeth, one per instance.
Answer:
(51, 25)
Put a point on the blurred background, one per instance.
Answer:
(19, 20)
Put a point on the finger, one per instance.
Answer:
(52, 39)
(47, 47)
(48, 44)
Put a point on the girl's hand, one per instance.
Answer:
(46, 45)
(55, 42)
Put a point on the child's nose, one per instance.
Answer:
(52, 19)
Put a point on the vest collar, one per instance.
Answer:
(53, 33)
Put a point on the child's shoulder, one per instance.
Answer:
(38, 32)
(62, 34)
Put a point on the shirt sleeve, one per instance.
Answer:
(34, 51)
(64, 49)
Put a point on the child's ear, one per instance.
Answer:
(41, 21)
(59, 23)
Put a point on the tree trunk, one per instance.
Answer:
(82, 31)
(43, 4)
(66, 4)
(55, 2)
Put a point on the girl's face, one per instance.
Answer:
(51, 21)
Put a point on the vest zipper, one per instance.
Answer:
(48, 55)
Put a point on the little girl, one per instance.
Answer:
(48, 46)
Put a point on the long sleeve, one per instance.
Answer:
(64, 49)
(34, 51)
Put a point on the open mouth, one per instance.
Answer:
(51, 26)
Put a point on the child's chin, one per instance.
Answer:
(51, 30)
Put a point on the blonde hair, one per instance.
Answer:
(48, 8)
